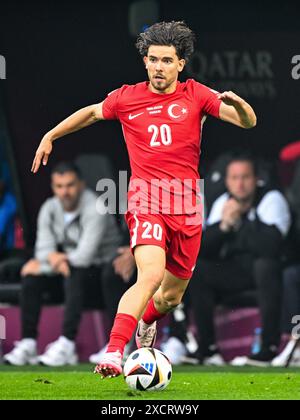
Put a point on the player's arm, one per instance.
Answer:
(80, 119)
(235, 110)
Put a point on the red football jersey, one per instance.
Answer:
(163, 135)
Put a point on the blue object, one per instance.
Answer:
(256, 344)
(8, 208)
(165, 334)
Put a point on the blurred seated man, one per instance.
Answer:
(241, 250)
(74, 242)
(8, 208)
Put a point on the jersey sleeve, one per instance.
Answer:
(209, 102)
(110, 105)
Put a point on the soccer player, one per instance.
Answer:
(162, 122)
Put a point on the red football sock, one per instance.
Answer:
(121, 332)
(151, 313)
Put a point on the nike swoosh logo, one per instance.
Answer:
(132, 117)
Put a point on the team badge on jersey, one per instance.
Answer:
(178, 111)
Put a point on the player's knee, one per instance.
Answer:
(152, 279)
(171, 301)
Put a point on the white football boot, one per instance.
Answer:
(282, 358)
(24, 353)
(214, 360)
(97, 357)
(145, 334)
(110, 365)
(59, 353)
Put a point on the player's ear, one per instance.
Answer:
(145, 59)
(181, 65)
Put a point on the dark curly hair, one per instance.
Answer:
(176, 34)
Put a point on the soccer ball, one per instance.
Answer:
(147, 369)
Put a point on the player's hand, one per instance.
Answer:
(230, 98)
(124, 264)
(231, 214)
(64, 269)
(56, 258)
(31, 268)
(42, 154)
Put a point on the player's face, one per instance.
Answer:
(163, 66)
(241, 181)
(67, 188)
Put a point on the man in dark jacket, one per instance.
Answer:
(241, 250)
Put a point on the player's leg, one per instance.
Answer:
(181, 260)
(170, 293)
(150, 260)
(167, 297)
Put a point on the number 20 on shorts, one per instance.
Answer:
(152, 231)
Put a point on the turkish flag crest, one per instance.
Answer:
(178, 111)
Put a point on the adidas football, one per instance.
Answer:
(147, 369)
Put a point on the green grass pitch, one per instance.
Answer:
(188, 383)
